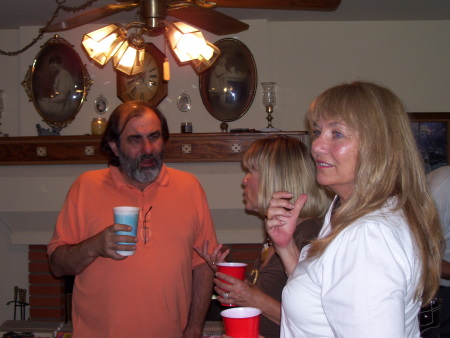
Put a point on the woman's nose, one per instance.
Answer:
(318, 146)
(244, 180)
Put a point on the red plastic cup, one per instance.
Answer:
(241, 322)
(236, 270)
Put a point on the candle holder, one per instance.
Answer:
(98, 125)
(269, 100)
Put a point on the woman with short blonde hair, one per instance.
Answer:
(284, 163)
(271, 164)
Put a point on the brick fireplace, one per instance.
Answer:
(49, 297)
(47, 293)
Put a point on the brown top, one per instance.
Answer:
(272, 277)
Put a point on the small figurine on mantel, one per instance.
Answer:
(224, 127)
(46, 131)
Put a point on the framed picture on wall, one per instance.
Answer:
(228, 88)
(57, 82)
(432, 134)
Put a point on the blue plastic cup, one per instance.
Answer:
(129, 216)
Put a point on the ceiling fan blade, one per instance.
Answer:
(209, 20)
(90, 16)
(316, 5)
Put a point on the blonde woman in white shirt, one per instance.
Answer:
(377, 257)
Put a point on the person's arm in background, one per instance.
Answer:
(270, 307)
(202, 277)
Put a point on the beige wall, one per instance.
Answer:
(411, 57)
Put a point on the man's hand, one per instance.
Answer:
(72, 259)
(105, 242)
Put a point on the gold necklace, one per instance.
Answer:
(265, 250)
(264, 253)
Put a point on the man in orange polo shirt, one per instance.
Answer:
(165, 288)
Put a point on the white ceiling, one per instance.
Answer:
(17, 13)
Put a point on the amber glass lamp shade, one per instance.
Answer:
(206, 58)
(189, 44)
(129, 59)
(103, 43)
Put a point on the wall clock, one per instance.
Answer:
(147, 86)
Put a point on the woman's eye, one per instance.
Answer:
(315, 133)
(337, 134)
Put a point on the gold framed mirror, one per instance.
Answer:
(57, 83)
(228, 88)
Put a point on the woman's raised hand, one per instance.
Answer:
(282, 217)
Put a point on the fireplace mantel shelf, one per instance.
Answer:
(195, 147)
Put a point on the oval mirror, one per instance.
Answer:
(57, 82)
(228, 88)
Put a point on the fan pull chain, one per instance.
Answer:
(166, 66)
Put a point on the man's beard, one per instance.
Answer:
(141, 174)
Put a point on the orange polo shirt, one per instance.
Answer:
(148, 294)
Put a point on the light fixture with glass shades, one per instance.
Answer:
(189, 44)
(269, 100)
(111, 41)
(103, 43)
(210, 53)
(130, 56)
(153, 13)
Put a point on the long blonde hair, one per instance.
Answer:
(388, 164)
(284, 163)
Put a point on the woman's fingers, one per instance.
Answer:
(279, 205)
(221, 257)
(216, 251)
(224, 277)
(286, 195)
(205, 245)
(280, 208)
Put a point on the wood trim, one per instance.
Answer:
(195, 147)
(324, 5)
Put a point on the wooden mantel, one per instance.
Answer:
(195, 147)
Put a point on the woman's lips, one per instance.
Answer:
(322, 164)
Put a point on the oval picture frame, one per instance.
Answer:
(184, 102)
(101, 105)
(57, 82)
(228, 87)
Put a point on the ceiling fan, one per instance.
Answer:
(199, 13)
